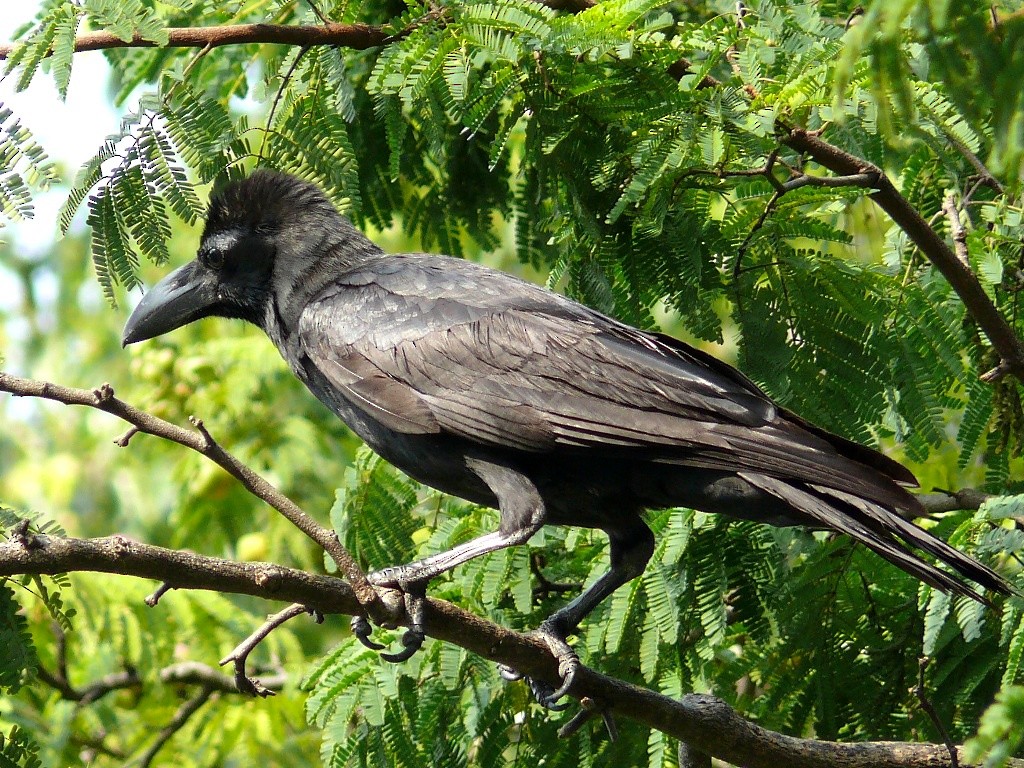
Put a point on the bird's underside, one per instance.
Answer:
(506, 394)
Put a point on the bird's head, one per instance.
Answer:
(262, 234)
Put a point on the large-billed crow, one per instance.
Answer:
(496, 390)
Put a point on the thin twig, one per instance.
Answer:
(201, 441)
(185, 711)
(197, 673)
(246, 684)
(544, 587)
(956, 229)
(153, 598)
(129, 678)
(922, 697)
(277, 98)
(976, 301)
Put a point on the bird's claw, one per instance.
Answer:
(362, 629)
(508, 674)
(568, 665)
(414, 596)
(568, 661)
(412, 639)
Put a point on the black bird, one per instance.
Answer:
(496, 390)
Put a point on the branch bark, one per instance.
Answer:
(706, 723)
(355, 36)
(201, 441)
(988, 317)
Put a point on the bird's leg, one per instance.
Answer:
(522, 515)
(631, 548)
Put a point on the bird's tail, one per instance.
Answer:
(885, 533)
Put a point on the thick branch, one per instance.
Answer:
(985, 313)
(705, 723)
(937, 502)
(202, 442)
(357, 36)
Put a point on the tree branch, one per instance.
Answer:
(355, 36)
(240, 654)
(197, 673)
(185, 711)
(956, 229)
(201, 441)
(706, 723)
(939, 501)
(985, 313)
(96, 690)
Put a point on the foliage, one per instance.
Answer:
(18, 751)
(1001, 730)
(575, 146)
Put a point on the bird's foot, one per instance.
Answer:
(414, 595)
(541, 691)
(554, 636)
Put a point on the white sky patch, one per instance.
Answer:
(70, 131)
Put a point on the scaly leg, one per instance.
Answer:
(522, 515)
(631, 549)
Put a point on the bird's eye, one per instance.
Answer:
(214, 258)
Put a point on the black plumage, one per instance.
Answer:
(498, 391)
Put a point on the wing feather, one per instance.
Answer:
(431, 347)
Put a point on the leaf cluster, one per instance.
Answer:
(632, 153)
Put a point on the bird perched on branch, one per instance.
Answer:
(496, 390)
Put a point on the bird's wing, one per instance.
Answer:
(500, 362)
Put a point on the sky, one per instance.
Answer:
(70, 131)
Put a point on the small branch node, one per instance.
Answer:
(196, 422)
(103, 394)
(163, 589)
(997, 373)
(122, 441)
(589, 709)
(21, 535)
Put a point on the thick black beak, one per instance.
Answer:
(187, 294)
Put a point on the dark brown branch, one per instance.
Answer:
(705, 722)
(96, 690)
(356, 36)
(202, 442)
(985, 313)
(59, 681)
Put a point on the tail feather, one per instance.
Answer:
(885, 533)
